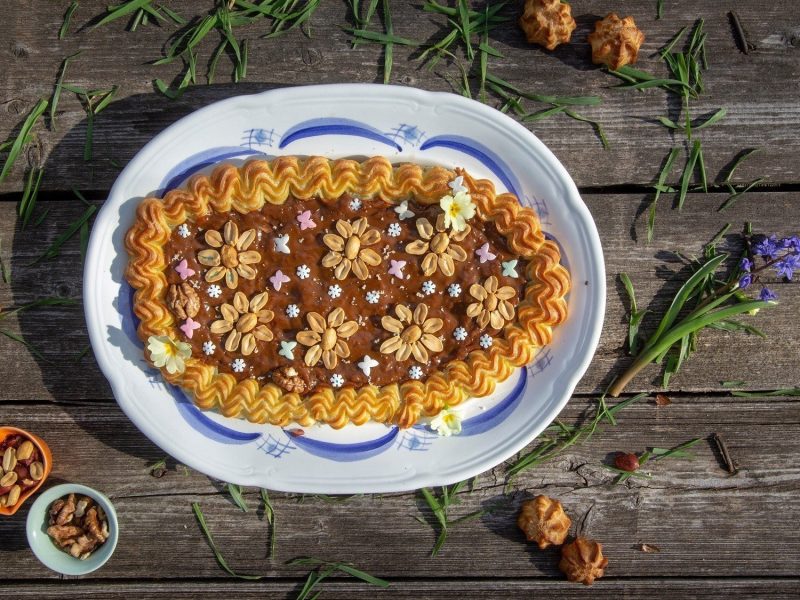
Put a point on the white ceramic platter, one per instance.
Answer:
(349, 120)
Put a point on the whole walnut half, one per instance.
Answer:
(544, 521)
(583, 560)
(183, 301)
(289, 379)
(615, 42)
(547, 22)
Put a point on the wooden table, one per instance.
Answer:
(719, 534)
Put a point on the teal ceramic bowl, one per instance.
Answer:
(51, 555)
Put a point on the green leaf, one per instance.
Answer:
(717, 116)
(53, 250)
(236, 494)
(126, 8)
(781, 392)
(29, 195)
(201, 520)
(688, 172)
(62, 31)
(388, 49)
(739, 160)
(662, 178)
(269, 513)
(737, 194)
(635, 315)
(668, 123)
(23, 136)
(57, 91)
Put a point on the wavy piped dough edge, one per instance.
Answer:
(256, 183)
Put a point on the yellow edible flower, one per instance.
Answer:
(447, 422)
(169, 353)
(457, 210)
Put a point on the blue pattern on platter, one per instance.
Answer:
(335, 126)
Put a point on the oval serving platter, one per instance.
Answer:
(347, 120)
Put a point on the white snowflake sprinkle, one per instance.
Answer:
(209, 347)
(238, 365)
(428, 287)
(337, 380)
(214, 291)
(460, 334)
(292, 311)
(282, 243)
(303, 271)
(395, 230)
(355, 204)
(454, 290)
(415, 372)
(486, 341)
(373, 297)
(334, 291)
(183, 231)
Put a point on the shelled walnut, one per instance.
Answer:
(78, 525)
(615, 42)
(289, 379)
(583, 561)
(544, 521)
(21, 468)
(183, 301)
(547, 22)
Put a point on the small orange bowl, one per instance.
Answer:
(47, 462)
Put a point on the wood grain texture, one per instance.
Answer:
(759, 89)
(696, 512)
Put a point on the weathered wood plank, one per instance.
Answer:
(755, 88)
(708, 589)
(762, 364)
(677, 510)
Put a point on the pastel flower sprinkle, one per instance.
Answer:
(367, 364)
(485, 254)
(415, 372)
(373, 297)
(183, 230)
(457, 185)
(287, 349)
(214, 291)
(428, 287)
(189, 326)
(337, 380)
(355, 204)
(486, 341)
(278, 280)
(454, 290)
(292, 311)
(303, 271)
(460, 334)
(209, 347)
(238, 365)
(184, 270)
(305, 221)
(402, 211)
(282, 243)
(397, 268)
(447, 422)
(395, 230)
(510, 268)
(334, 291)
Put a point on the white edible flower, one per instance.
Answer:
(209, 347)
(183, 230)
(168, 353)
(458, 210)
(510, 268)
(460, 334)
(355, 204)
(402, 211)
(292, 311)
(395, 230)
(447, 422)
(334, 291)
(373, 297)
(457, 185)
(214, 290)
(337, 380)
(282, 243)
(486, 341)
(367, 364)
(428, 287)
(415, 372)
(238, 365)
(454, 290)
(303, 271)
(287, 349)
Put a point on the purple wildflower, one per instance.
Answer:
(766, 247)
(745, 280)
(767, 294)
(746, 265)
(787, 265)
(791, 243)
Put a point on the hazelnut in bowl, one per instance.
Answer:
(72, 529)
(25, 463)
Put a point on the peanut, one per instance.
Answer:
(37, 471)
(8, 479)
(13, 495)
(9, 460)
(25, 450)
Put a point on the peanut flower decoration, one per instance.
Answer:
(325, 338)
(413, 333)
(229, 256)
(492, 306)
(348, 249)
(438, 247)
(246, 322)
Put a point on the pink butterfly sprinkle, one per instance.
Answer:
(304, 218)
(278, 280)
(397, 268)
(484, 254)
(184, 271)
(189, 326)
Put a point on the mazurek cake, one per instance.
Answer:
(332, 291)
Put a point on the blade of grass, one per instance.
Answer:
(388, 48)
(23, 136)
(662, 179)
(269, 513)
(120, 11)
(54, 248)
(635, 315)
(176, 18)
(720, 114)
(688, 172)
(57, 91)
(734, 197)
(29, 195)
(201, 520)
(343, 567)
(62, 31)
(595, 125)
(236, 494)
